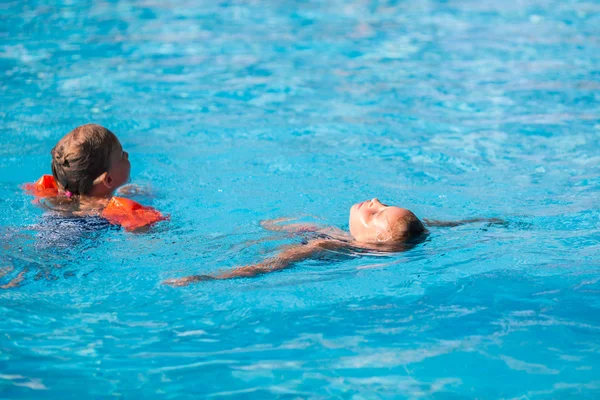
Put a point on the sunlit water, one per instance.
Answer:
(239, 111)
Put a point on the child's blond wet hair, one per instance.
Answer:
(407, 228)
(81, 156)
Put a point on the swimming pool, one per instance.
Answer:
(238, 111)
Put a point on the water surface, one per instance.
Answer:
(239, 111)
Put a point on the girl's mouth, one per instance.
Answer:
(360, 205)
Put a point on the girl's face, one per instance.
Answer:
(120, 167)
(373, 222)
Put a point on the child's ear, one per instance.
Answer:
(104, 179)
(383, 236)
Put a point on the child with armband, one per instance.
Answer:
(88, 166)
(374, 226)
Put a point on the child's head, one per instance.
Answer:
(374, 222)
(90, 161)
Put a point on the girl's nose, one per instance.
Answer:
(126, 155)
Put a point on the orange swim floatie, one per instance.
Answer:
(44, 187)
(130, 214)
(127, 213)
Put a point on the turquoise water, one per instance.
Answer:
(239, 111)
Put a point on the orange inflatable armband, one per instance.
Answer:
(129, 214)
(44, 187)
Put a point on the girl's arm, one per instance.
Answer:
(283, 260)
(276, 226)
(443, 224)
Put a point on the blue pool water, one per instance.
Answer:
(237, 111)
